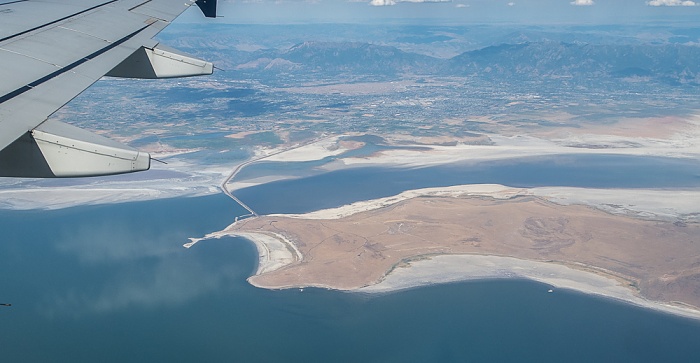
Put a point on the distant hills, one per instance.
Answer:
(343, 57)
(674, 64)
(671, 63)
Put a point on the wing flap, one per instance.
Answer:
(161, 62)
(56, 149)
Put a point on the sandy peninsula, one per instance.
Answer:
(482, 231)
(640, 246)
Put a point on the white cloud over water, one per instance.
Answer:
(671, 3)
(382, 2)
(583, 2)
(394, 2)
(170, 282)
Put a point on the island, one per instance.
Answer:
(481, 231)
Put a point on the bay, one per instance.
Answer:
(113, 283)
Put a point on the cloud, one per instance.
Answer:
(167, 282)
(582, 2)
(153, 277)
(671, 3)
(461, 6)
(511, 4)
(394, 2)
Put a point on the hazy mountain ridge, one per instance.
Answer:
(668, 63)
(657, 53)
(343, 57)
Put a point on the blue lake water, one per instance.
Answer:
(330, 189)
(113, 283)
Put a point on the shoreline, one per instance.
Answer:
(274, 250)
(441, 269)
(644, 204)
(437, 268)
(195, 181)
(421, 271)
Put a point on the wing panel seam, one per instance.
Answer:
(13, 2)
(143, 3)
(57, 21)
(67, 68)
(30, 57)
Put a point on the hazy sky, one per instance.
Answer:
(455, 12)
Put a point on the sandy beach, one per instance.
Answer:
(454, 268)
(274, 250)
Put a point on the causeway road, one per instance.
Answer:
(242, 165)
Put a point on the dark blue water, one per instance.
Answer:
(113, 284)
(346, 186)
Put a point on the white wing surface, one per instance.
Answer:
(51, 51)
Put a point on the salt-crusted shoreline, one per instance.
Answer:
(454, 268)
(585, 279)
(506, 147)
(178, 180)
(640, 203)
(423, 271)
(66, 197)
(195, 181)
(490, 190)
(274, 250)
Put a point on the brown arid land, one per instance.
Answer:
(659, 260)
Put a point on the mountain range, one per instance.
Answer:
(675, 64)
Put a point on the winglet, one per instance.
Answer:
(208, 7)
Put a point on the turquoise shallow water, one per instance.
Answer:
(112, 284)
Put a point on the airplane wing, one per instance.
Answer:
(51, 51)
